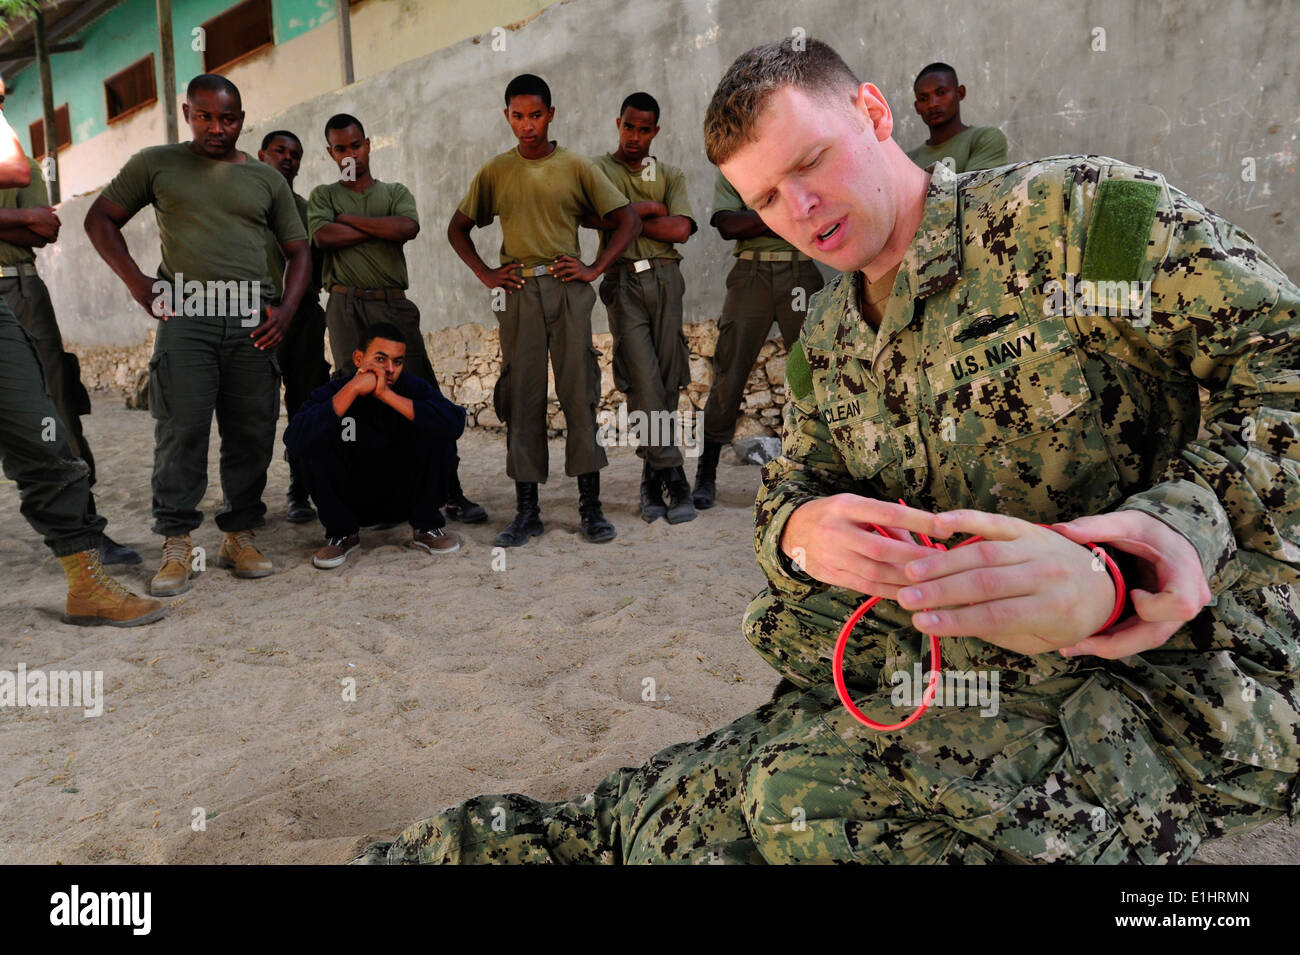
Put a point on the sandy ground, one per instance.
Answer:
(468, 679)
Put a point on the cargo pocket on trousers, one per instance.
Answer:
(501, 394)
(158, 386)
(1116, 756)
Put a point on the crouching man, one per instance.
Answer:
(377, 448)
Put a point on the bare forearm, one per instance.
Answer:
(296, 277)
(21, 235)
(338, 236)
(343, 399)
(629, 227)
(13, 218)
(403, 406)
(740, 225)
(667, 228)
(464, 246)
(392, 228)
(646, 209)
(107, 239)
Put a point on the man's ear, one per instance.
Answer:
(185, 111)
(358, 357)
(261, 156)
(961, 91)
(870, 102)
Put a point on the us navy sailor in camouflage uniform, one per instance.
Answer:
(984, 393)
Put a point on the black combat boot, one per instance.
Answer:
(110, 551)
(459, 507)
(652, 497)
(528, 518)
(297, 502)
(680, 507)
(594, 526)
(706, 476)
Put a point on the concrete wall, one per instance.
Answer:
(1189, 88)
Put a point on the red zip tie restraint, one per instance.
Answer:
(932, 687)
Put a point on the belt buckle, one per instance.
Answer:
(641, 265)
(535, 271)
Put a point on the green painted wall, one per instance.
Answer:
(119, 38)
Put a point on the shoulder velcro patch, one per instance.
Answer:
(798, 374)
(1120, 229)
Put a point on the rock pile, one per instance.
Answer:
(467, 361)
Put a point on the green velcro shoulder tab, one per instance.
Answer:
(798, 374)
(1120, 230)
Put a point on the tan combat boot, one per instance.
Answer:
(173, 576)
(239, 551)
(96, 599)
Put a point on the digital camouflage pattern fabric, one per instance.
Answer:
(991, 383)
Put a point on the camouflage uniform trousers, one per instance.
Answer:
(1075, 768)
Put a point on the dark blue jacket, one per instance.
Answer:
(377, 425)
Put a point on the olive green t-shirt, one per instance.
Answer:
(275, 260)
(540, 202)
(374, 263)
(30, 196)
(214, 217)
(655, 181)
(976, 147)
(727, 199)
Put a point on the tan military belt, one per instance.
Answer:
(774, 256)
(13, 271)
(533, 271)
(384, 293)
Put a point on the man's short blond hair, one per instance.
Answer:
(739, 99)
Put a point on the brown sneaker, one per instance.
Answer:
(239, 551)
(173, 576)
(96, 599)
(336, 551)
(436, 541)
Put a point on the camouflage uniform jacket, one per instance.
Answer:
(991, 385)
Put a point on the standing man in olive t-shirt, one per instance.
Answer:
(215, 350)
(541, 191)
(28, 222)
(302, 353)
(960, 147)
(642, 293)
(771, 281)
(361, 225)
